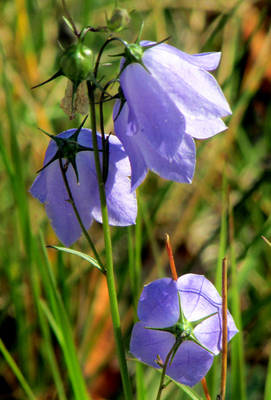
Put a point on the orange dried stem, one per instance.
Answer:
(205, 388)
(224, 330)
(171, 259)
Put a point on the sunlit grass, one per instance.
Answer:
(205, 221)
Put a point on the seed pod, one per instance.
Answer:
(76, 63)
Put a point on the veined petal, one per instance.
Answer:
(121, 201)
(190, 364)
(118, 156)
(57, 204)
(199, 297)
(203, 129)
(208, 61)
(158, 306)
(195, 92)
(138, 166)
(142, 155)
(38, 188)
(156, 115)
(180, 168)
(147, 345)
(209, 332)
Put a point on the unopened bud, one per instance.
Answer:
(119, 19)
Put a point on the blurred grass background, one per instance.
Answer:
(225, 211)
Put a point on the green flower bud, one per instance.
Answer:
(76, 63)
(119, 19)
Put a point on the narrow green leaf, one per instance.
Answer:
(190, 392)
(238, 379)
(52, 322)
(60, 315)
(267, 390)
(67, 22)
(46, 348)
(16, 371)
(84, 256)
(215, 371)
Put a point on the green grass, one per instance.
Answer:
(56, 336)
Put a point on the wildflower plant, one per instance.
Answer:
(163, 100)
(184, 318)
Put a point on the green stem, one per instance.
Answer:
(71, 199)
(109, 256)
(161, 386)
(135, 274)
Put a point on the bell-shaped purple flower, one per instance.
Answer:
(159, 308)
(171, 98)
(144, 156)
(50, 189)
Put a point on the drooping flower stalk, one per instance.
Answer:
(85, 232)
(109, 255)
(161, 386)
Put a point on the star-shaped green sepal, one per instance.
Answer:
(183, 330)
(67, 148)
(133, 52)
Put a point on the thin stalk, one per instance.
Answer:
(105, 144)
(161, 386)
(95, 72)
(71, 199)
(135, 267)
(108, 251)
(131, 262)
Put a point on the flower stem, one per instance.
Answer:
(109, 256)
(85, 232)
(161, 386)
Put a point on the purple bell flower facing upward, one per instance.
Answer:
(170, 98)
(50, 189)
(159, 313)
